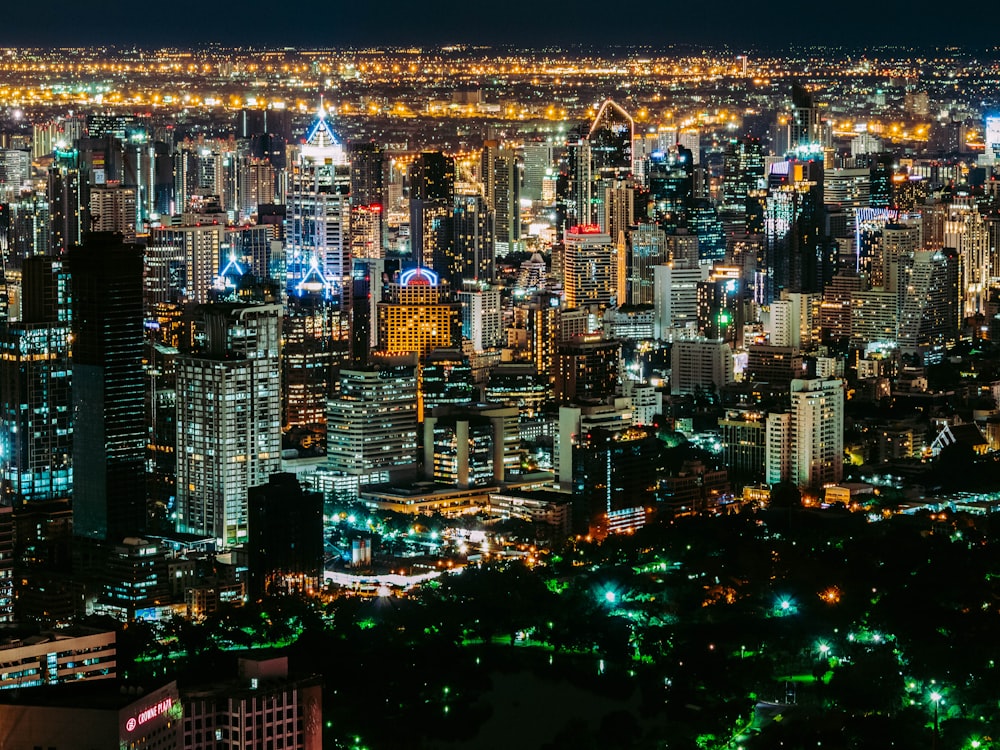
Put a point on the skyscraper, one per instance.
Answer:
(502, 185)
(228, 417)
(432, 195)
(372, 422)
(646, 249)
(930, 314)
(368, 231)
(472, 253)
(318, 253)
(591, 267)
(417, 316)
(109, 409)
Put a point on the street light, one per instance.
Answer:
(936, 698)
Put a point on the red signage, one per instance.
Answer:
(146, 714)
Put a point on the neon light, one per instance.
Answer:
(157, 709)
(423, 276)
(585, 229)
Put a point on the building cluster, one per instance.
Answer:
(208, 331)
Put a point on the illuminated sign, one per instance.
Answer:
(157, 709)
(585, 229)
(419, 277)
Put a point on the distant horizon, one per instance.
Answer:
(394, 23)
(522, 47)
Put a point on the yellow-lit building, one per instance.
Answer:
(416, 317)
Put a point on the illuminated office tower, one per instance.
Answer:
(445, 378)
(256, 185)
(971, 232)
(874, 317)
(579, 210)
(367, 199)
(704, 221)
(112, 209)
(610, 137)
(541, 316)
(793, 320)
(15, 169)
(671, 185)
(371, 423)
(835, 309)
(537, 166)
(184, 262)
(471, 445)
(36, 425)
(722, 306)
(805, 126)
(742, 172)
(432, 200)
(416, 316)
(29, 230)
(619, 209)
(646, 249)
(318, 251)
(366, 294)
(481, 317)
(587, 367)
(931, 308)
(109, 403)
(67, 190)
(675, 298)
(471, 256)
(681, 248)
(502, 190)
(315, 342)
(700, 364)
(590, 267)
(896, 248)
(792, 228)
(228, 417)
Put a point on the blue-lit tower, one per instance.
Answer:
(318, 252)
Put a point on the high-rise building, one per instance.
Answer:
(109, 409)
(112, 209)
(675, 297)
(481, 317)
(646, 249)
(590, 267)
(371, 424)
(792, 249)
(471, 257)
(817, 432)
(318, 249)
(471, 445)
(228, 417)
(36, 410)
(432, 201)
(368, 230)
(537, 166)
(930, 314)
(183, 263)
(700, 364)
(416, 316)
(502, 187)
(67, 198)
(587, 367)
(315, 341)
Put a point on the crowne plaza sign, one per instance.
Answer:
(160, 707)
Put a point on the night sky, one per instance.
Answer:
(741, 23)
